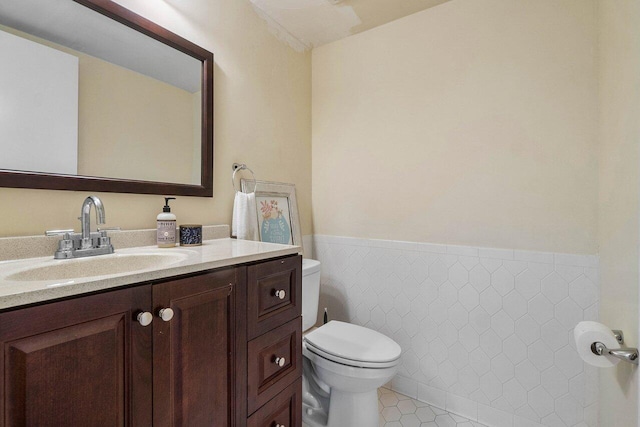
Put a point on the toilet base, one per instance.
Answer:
(342, 413)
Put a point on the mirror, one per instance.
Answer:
(94, 97)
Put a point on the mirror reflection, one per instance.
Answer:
(82, 94)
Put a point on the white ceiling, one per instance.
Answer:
(305, 24)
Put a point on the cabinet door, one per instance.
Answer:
(200, 354)
(81, 362)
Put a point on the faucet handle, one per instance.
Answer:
(105, 229)
(65, 245)
(104, 239)
(57, 232)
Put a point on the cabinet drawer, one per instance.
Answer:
(284, 410)
(274, 294)
(266, 378)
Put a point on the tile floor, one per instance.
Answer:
(398, 410)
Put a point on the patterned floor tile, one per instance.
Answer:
(408, 412)
(398, 410)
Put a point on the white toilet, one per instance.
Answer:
(343, 364)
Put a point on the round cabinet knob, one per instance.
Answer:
(280, 294)
(144, 318)
(165, 314)
(280, 361)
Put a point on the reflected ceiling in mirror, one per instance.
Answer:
(98, 98)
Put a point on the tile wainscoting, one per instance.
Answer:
(485, 333)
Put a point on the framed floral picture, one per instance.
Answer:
(278, 220)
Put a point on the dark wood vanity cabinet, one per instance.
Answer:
(88, 361)
(81, 362)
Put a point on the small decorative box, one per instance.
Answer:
(191, 235)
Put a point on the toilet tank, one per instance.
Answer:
(310, 292)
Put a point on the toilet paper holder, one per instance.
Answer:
(627, 354)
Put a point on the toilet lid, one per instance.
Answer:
(353, 342)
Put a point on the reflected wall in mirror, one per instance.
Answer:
(94, 97)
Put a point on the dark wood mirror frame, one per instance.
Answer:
(19, 179)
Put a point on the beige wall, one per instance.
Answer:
(262, 118)
(473, 122)
(619, 212)
(493, 123)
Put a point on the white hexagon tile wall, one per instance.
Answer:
(485, 333)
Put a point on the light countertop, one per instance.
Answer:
(18, 286)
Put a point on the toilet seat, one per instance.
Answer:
(353, 345)
(347, 362)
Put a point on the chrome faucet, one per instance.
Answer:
(85, 243)
(85, 219)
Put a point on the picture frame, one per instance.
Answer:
(277, 209)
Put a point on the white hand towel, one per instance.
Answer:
(244, 224)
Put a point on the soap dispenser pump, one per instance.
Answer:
(166, 222)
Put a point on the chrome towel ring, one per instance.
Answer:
(238, 167)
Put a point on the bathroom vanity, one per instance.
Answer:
(211, 339)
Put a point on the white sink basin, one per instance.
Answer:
(102, 265)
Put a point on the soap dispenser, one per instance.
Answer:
(166, 226)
